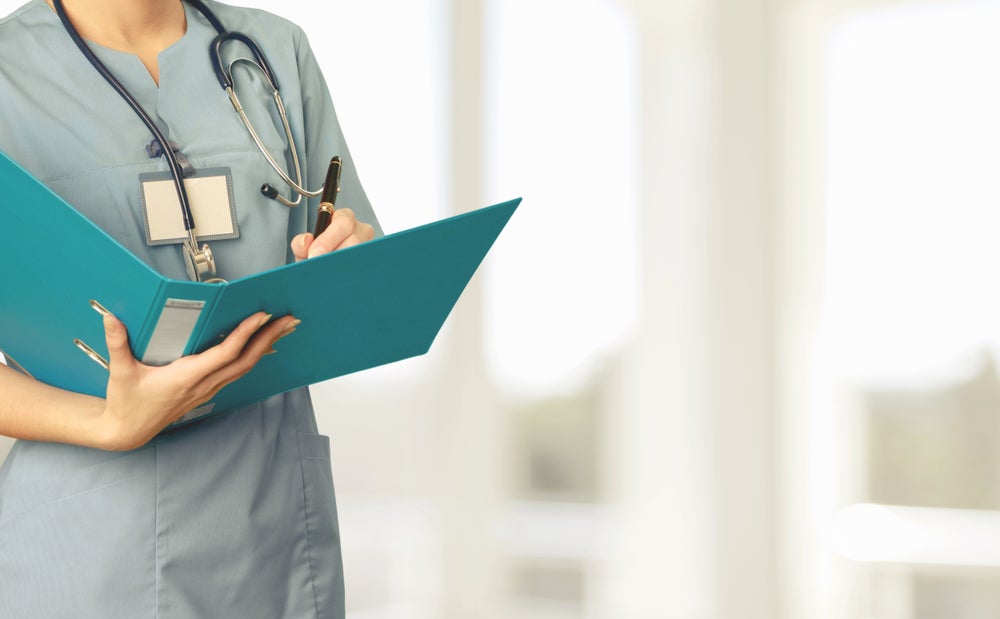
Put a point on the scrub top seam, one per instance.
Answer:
(47, 504)
(20, 11)
(138, 164)
(305, 520)
(156, 530)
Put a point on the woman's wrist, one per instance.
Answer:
(94, 429)
(113, 432)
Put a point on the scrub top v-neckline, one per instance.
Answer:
(129, 69)
(111, 51)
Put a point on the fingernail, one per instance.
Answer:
(263, 321)
(270, 352)
(316, 250)
(110, 324)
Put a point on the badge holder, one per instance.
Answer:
(213, 205)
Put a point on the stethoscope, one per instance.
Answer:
(199, 261)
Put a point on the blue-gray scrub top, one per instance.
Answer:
(233, 516)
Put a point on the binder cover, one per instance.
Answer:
(364, 306)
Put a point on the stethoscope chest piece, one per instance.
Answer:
(200, 263)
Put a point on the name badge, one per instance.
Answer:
(210, 195)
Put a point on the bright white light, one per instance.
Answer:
(875, 533)
(918, 535)
(914, 193)
(385, 62)
(561, 292)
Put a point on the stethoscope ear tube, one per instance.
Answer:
(225, 75)
(296, 184)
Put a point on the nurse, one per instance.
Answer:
(103, 513)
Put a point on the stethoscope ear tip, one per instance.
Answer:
(269, 191)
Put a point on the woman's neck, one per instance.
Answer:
(141, 27)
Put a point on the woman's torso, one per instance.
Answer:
(230, 516)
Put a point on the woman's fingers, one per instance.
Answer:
(229, 349)
(300, 246)
(344, 231)
(363, 233)
(344, 228)
(341, 225)
(261, 343)
(142, 399)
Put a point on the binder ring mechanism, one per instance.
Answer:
(87, 350)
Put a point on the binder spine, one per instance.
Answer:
(141, 340)
(178, 318)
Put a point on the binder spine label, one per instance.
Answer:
(173, 329)
(201, 411)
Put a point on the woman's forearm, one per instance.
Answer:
(141, 400)
(35, 411)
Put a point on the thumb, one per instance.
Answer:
(300, 245)
(119, 353)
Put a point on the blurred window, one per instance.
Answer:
(912, 310)
(561, 117)
(560, 292)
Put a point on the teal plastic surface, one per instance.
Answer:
(360, 307)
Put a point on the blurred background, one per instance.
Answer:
(735, 354)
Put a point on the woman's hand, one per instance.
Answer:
(344, 231)
(142, 400)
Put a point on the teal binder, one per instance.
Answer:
(360, 307)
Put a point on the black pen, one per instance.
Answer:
(330, 190)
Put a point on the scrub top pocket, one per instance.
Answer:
(40, 475)
(92, 534)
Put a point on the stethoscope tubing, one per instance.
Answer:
(296, 187)
(225, 78)
(176, 171)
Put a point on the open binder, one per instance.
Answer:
(360, 307)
